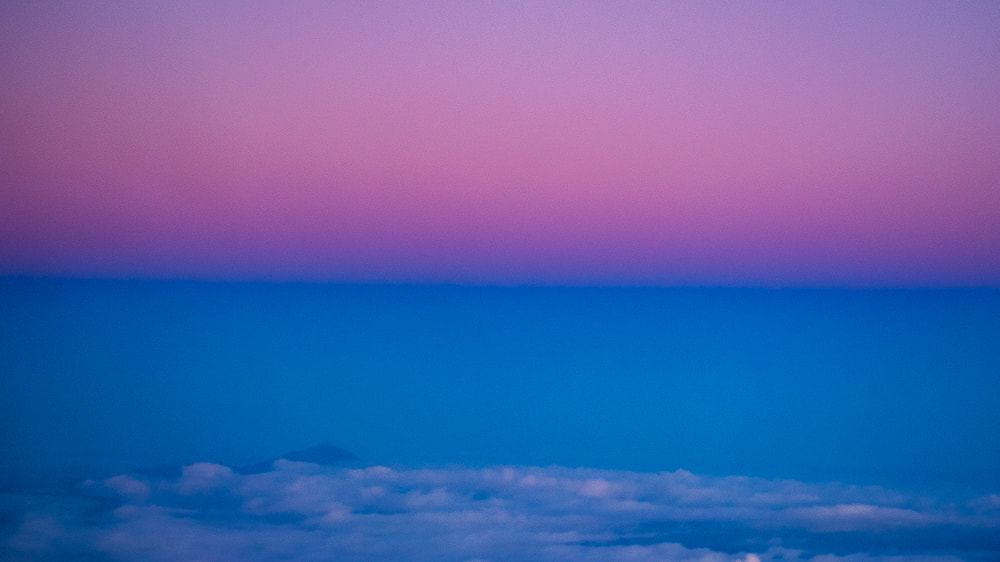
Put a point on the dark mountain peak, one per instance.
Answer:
(170, 471)
(324, 453)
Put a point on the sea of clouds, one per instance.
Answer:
(303, 511)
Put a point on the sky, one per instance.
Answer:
(886, 387)
(698, 281)
(503, 143)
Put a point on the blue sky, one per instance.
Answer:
(724, 425)
(300, 165)
(882, 386)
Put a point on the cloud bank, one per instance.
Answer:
(303, 511)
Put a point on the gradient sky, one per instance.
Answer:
(779, 143)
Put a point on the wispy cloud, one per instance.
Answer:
(303, 511)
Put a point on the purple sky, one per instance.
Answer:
(778, 143)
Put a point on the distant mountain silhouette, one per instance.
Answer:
(170, 471)
(323, 454)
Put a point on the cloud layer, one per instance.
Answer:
(302, 511)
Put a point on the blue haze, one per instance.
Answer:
(894, 387)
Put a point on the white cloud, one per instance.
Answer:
(595, 488)
(203, 477)
(129, 487)
(301, 511)
(860, 517)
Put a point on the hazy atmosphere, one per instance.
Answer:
(500, 281)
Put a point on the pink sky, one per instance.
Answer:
(688, 143)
